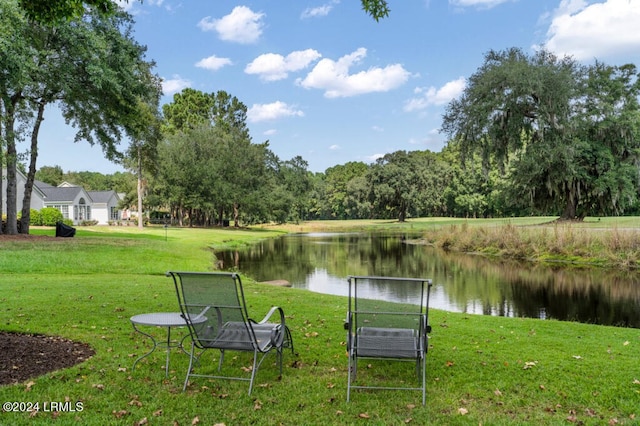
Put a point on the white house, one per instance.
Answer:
(105, 206)
(74, 202)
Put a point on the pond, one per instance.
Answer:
(321, 262)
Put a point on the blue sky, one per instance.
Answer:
(324, 81)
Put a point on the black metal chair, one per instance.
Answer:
(386, 330)
(213, 306)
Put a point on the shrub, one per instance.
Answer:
(36, 218)
(50, 216)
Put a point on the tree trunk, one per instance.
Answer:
(571, 207)
(236, 215)
(11, 161)
(140, 215)
(2, 137)
(25, 220)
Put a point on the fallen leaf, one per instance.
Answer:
(450, 364)
(30, 385)
(463, 411)
(120, 414)
(497, 392)
(577, 357)
(143, 421)
(195, 420)
(364, 416)
(626, 343)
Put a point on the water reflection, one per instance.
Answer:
(462, 283)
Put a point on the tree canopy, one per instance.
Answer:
(565, 135)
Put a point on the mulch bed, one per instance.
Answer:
(25, 356)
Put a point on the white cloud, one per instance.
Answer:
(377, 129)
(334, 147)
(314, 12)
(485, 4)
(374, 157)
(270, 132)
(432, 96)
(213, 63)
(272, 66)
(174, 85)
(242, 25)
(604, 29)
(333, 77)
(272, 111)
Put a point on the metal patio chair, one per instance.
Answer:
(386, 330)
(213, 306)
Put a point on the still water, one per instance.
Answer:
(321, 262)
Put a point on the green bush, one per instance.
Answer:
(50, 216)
(36, 218)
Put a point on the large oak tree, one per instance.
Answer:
(565, 135)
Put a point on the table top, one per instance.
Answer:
(163, 319)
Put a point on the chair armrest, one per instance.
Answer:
(347, 322)
(279, 330)
(270, 313)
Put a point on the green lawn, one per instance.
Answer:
(480, 369)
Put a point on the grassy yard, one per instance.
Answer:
(480, 369)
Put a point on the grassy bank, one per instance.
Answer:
(480, 370)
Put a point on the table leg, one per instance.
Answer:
(166, 365)
(153, 348)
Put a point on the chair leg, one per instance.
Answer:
(424, 380)
(288, 343)
(221, 359)
(186, 380)
(254, 370)
(353, 365)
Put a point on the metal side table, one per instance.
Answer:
(161, 319)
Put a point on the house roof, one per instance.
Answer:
(102, 196)
(66, 194)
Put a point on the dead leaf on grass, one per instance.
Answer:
(120, 414)
(463, 411)
(364, 416)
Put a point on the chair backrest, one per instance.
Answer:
(372, 313)
(210, 300)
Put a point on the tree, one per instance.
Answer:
(92, 68)
(50, 174)
(51, 11)
(192, 108)
(57, 11)
(337, 189)
(394, 185)
(142, 154)
(565, 135)
(378, 9)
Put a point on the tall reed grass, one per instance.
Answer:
(556, 242)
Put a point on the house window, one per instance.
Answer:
(114, 213)
(82, 211)
(64, 209)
